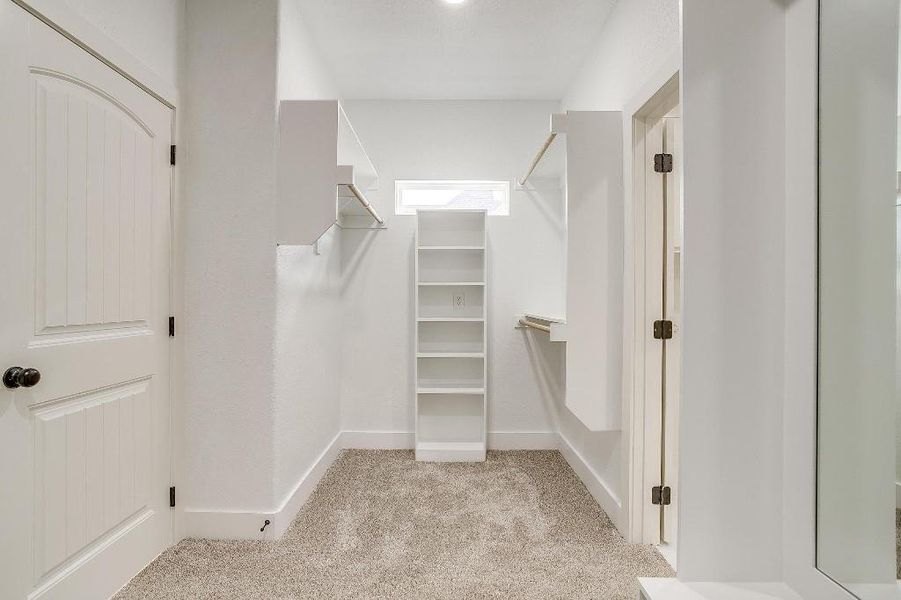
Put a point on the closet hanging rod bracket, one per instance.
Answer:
(555, 327)
(531, 325)
(362, 199)
(557, 126)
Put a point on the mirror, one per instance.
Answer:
(858, 448)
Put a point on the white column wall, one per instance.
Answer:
(638, 39)
(308, 325)
(262, 326)
(229, 323)
(734, 282)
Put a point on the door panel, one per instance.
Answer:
(85, 452)
(92, 460)
(94, 171)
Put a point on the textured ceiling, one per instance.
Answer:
(481, 49)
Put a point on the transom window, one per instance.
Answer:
(493, 196)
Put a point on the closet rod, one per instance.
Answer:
(353, 190)
(538, 326)
(539, 156)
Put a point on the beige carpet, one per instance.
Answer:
(380, 525)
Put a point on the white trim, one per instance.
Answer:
(238, 525)
(90, 38)
(403, 440)
(669, 588)
(377, 440)
(245, 525)
(633, 345)
(523, 440)
(599, 489)
(450, 185)
(800, 358)
(898, 494)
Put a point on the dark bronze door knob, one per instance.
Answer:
(16, 377)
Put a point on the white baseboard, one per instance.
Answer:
(670, 588)
(377, 440)
(609, 501)
(523, 440)
(403, 440)
(236, 525)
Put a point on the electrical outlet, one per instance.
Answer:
(459, 300)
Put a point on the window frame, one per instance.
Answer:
(402, 185)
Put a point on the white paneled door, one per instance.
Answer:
(84, 266)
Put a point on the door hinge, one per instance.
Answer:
(172, 155)
(172, 497)
(171, 326)
(663, 330)
(663, 163)
(661, 495)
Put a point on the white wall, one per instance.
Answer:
(262, 327)
(449, 140)
(734, 277)
(301, 72)
(229, 321)
(638, 38)
(308, 296)
(143, 39)
(149, 30)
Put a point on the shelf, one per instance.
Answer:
(440, 301)
(447, 283)
(450, 355)
(323, 173)
(450, 451)
(451, 320)
(450, 365)
(451, 337)
(476, 248)
(451, 229)
(470, 391)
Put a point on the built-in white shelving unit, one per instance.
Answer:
(323, 173)
(450, 372)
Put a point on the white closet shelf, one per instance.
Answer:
(451, 247)
(432, 283)
(450, 451)
(450, 319)
(323, 173)
(450, 368)
(450, 355)
(464, 390)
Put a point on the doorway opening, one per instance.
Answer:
(657, 218)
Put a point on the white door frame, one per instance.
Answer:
(662, 84)
(68, 23)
